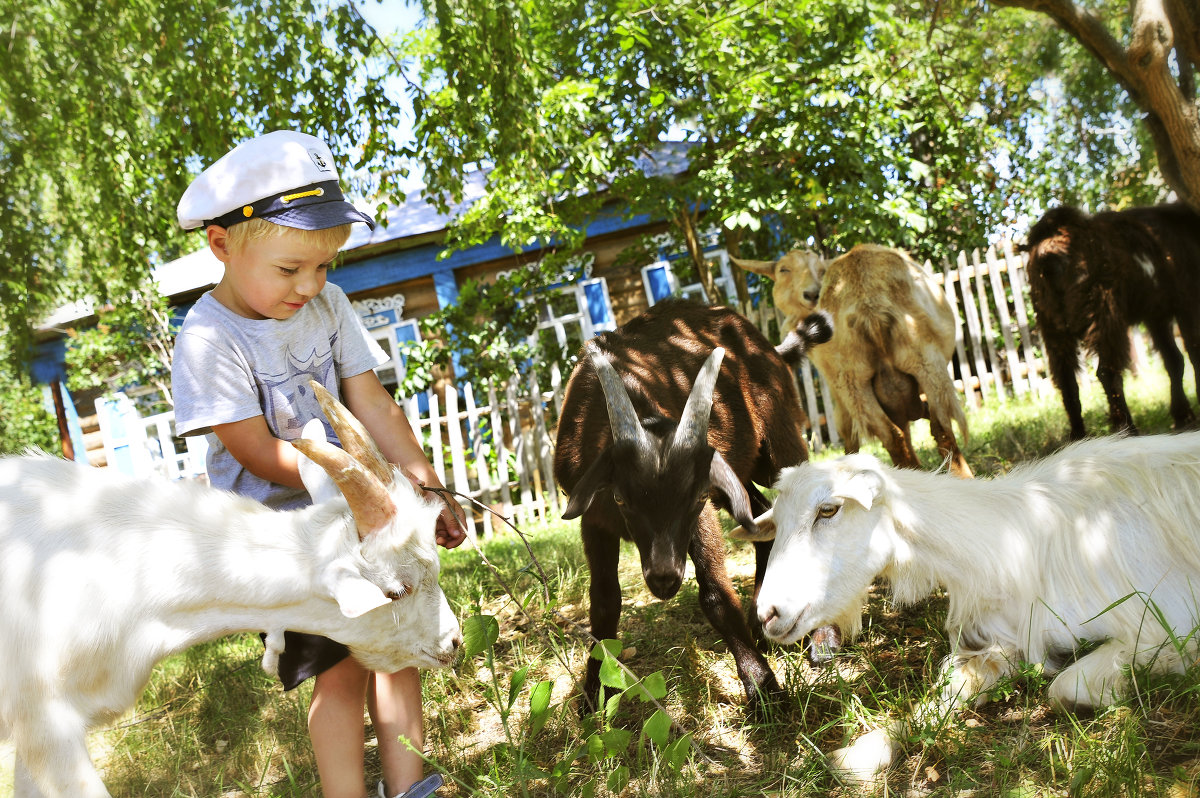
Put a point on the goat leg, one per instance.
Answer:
(602, 547)
(57, 762)
(1064, 360)
(721, 606)
(1173, 362)
(1114, 388)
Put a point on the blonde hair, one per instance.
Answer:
(242, 233)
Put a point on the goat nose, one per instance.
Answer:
(767, 614)
(456, 641)
(664, 585)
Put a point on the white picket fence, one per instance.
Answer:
(494, 444)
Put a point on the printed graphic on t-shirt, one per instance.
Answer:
(287, 397)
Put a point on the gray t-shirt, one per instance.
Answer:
(229, 368)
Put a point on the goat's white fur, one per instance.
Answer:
(101, 576)
(1096, 543)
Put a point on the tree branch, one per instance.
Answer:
(1089, 30)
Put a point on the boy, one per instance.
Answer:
(273, 212)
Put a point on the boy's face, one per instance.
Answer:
(269, 278)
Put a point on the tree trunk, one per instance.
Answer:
(687, 220)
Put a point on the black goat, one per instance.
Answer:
(641, 450)
(1092, 277)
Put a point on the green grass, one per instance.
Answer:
(211, 724)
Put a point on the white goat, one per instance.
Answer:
(1095, 544)
(101, 576)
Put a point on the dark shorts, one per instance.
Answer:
(306, 655)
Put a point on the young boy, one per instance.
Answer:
(273, 211)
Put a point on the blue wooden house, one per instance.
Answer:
(394, 275)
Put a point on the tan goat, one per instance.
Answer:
(893, 336)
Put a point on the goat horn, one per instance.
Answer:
(368, 497)
(621, 416)
(693, 422)
(353, 435)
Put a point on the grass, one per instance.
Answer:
(505, 722)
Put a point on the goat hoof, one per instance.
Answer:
(766, 698)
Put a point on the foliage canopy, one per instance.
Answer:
(929, 125)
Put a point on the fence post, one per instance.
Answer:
(1005, 322)
(1016, 270)
(993, 361)
(545, 448)
(458, 466)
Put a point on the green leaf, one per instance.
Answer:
(618, 780)
(595, 747)
(611, 705)
(606, 648)
(616, 740)
(651, 688)
(678, 752)
(612, 674)
(480, 633)
(539, 705)
(657, 728)
(515, 684)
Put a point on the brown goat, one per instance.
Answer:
(894, 336)
(1092, 277)
(682, 405)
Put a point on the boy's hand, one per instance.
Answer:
(449, 532)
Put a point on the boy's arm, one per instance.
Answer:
(371, 404)
(251, 443)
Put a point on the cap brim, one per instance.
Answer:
(320, 216)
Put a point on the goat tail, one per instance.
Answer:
(876, 328)
(803, 335)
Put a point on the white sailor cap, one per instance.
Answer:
(284, 177)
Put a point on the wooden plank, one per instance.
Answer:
(949, 278)
(973, 328)
(524, 462)
(479, 458)
(1000, 295)
(436, 455)
(989, 334)
(543, 477)
(501, 447)
(808, 396)
(458, 464)
(1017, 265)
(835, 439)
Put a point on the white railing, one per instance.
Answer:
(494, 443)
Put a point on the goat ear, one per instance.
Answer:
(597, 475)
(766, 529)
(724, 480)
(355, 596)
(766, 267)
(318, 484)
(863, 487)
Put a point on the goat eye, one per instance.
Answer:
(828, 510)
(393, 595)
(619, 499)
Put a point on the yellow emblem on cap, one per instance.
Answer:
(247, 211)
